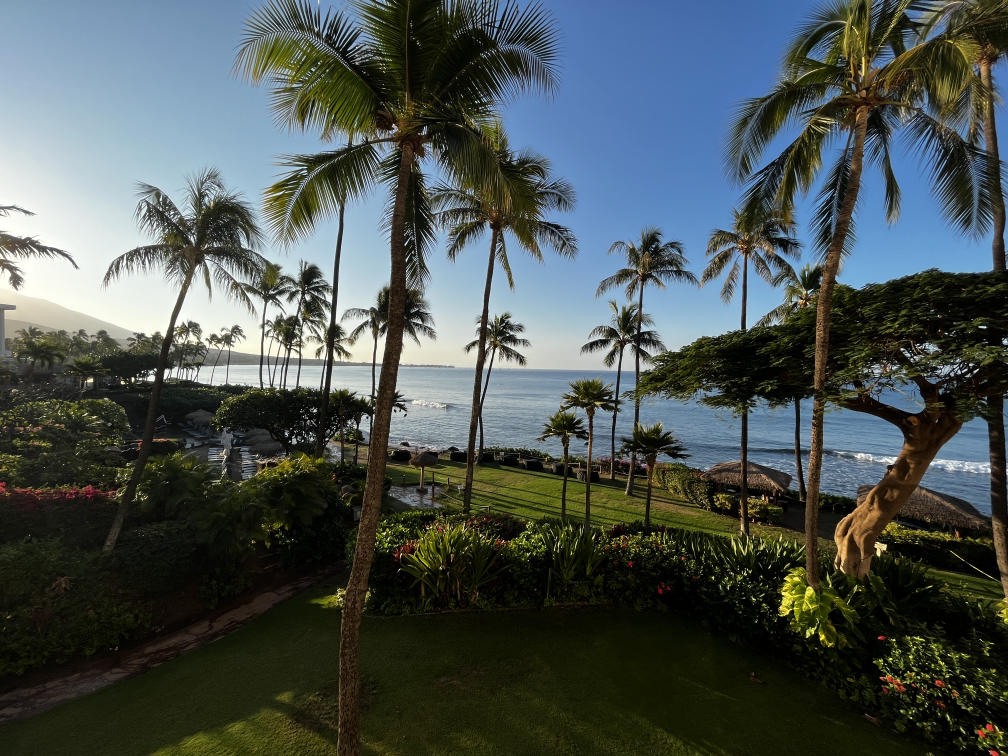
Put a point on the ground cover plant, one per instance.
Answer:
(597, 681)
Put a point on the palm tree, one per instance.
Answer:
(423, 78)
(565, 426)
(211, 238)
(214, 341)
(590, 395)
(38, 351)
(272, 286)
(311, 293)
(16, 248)
(337, 349)
(362, 406)
(501, 335)
(344, 399)
(417, 322)
(85, 367)
(761, 237)
(650, 262)
(468, 210)
(979, 32)
(230, 337)
(613, 338)
(652, 441)
(800, 291)
(851, 77)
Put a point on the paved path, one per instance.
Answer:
(33, 699)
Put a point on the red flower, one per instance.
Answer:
(989, 728)
(629, 564)
(994, 753)
(660, 591)
(939, 683)
(885, 688)
(881, 637)
(940, 704)
(981, 733)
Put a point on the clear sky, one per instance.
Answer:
(99, 95)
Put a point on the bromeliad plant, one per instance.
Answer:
(451, 565)
(574, 554)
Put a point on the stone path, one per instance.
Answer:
(33, 699)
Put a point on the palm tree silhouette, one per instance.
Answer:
(590, 395)
(652, 441)
(613, 338)
(272, 286)
(15, 248)
(502, 336)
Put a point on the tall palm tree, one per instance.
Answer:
(16, 248)
(468, 210)
(333, 341)
(423, 78)
(38, 351)
(613, 338)
(979, 32)
(854, 74)
(652, 441)
(273, 287)
(344, 399)
(417, 322)
(214, 341)
(800, 291)
(565, 426)
(212, 238)
(502, 336)
(231, 337)
(362, 406)
(761, 237)
(311, 294)
(650, 262)
(590, 395)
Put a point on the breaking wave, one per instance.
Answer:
(425, 403)
(949, 465)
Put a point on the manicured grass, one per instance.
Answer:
(537, 494)
(601, 681)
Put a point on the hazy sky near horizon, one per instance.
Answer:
(100, 95)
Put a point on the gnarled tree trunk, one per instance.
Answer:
(615, 414)
(924, 434)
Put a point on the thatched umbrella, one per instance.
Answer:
(423, 459)
(200, 417)
(937, 508)
(758, 477)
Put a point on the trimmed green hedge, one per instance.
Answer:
(941, 550)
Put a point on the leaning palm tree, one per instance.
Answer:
(468, 210)
(502, 336)
(613, 338)
(761, 237)
(650, 262)
(214, 342)
(854, 74)
(211, 238)
(421, 80)
(417, 322)
(590, 395)
(311, 293)
(13, 249)
(652, 441)
(564, 426)
(800, 291)
(231, 337)
(272, 286)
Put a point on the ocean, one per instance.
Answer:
(858, 447)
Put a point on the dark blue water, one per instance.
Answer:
(858, 446)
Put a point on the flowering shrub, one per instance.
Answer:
(78, 516)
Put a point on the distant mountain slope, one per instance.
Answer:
(50, 316)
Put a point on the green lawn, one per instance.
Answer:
(600, 681)
(536, 494)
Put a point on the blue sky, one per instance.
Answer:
(99, 95)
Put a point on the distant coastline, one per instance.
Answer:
(247, 358)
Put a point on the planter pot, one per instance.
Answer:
(582, 475)
(532, 465)
(510, 459)
(557, 468)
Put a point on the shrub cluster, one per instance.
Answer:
(942, 550)
(685, 482)
(927, 661)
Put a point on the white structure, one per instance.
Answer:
(4, 352)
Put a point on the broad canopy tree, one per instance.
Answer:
(929, 332)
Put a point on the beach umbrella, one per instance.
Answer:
(423, 459)
(200, 417)
(759, 478)
(937, 508)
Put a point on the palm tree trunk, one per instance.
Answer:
(636, 408)
(744, 492)
(374, 361)
(342, 438)
(148, 437)
(797, 450)
(995, 418)
(823, 311)
(353, 606)
(227, 368)
(591, 437)
(330, 354)
(477, 382)
(493, 354)
(214, 368)
(300, 346)
(615, 413)
(356, 442)
(563, 489)
(647, 500)
(262, 345)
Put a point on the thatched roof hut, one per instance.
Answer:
(759, 478)
(200, 417)
(937, 508)
(424, 459)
